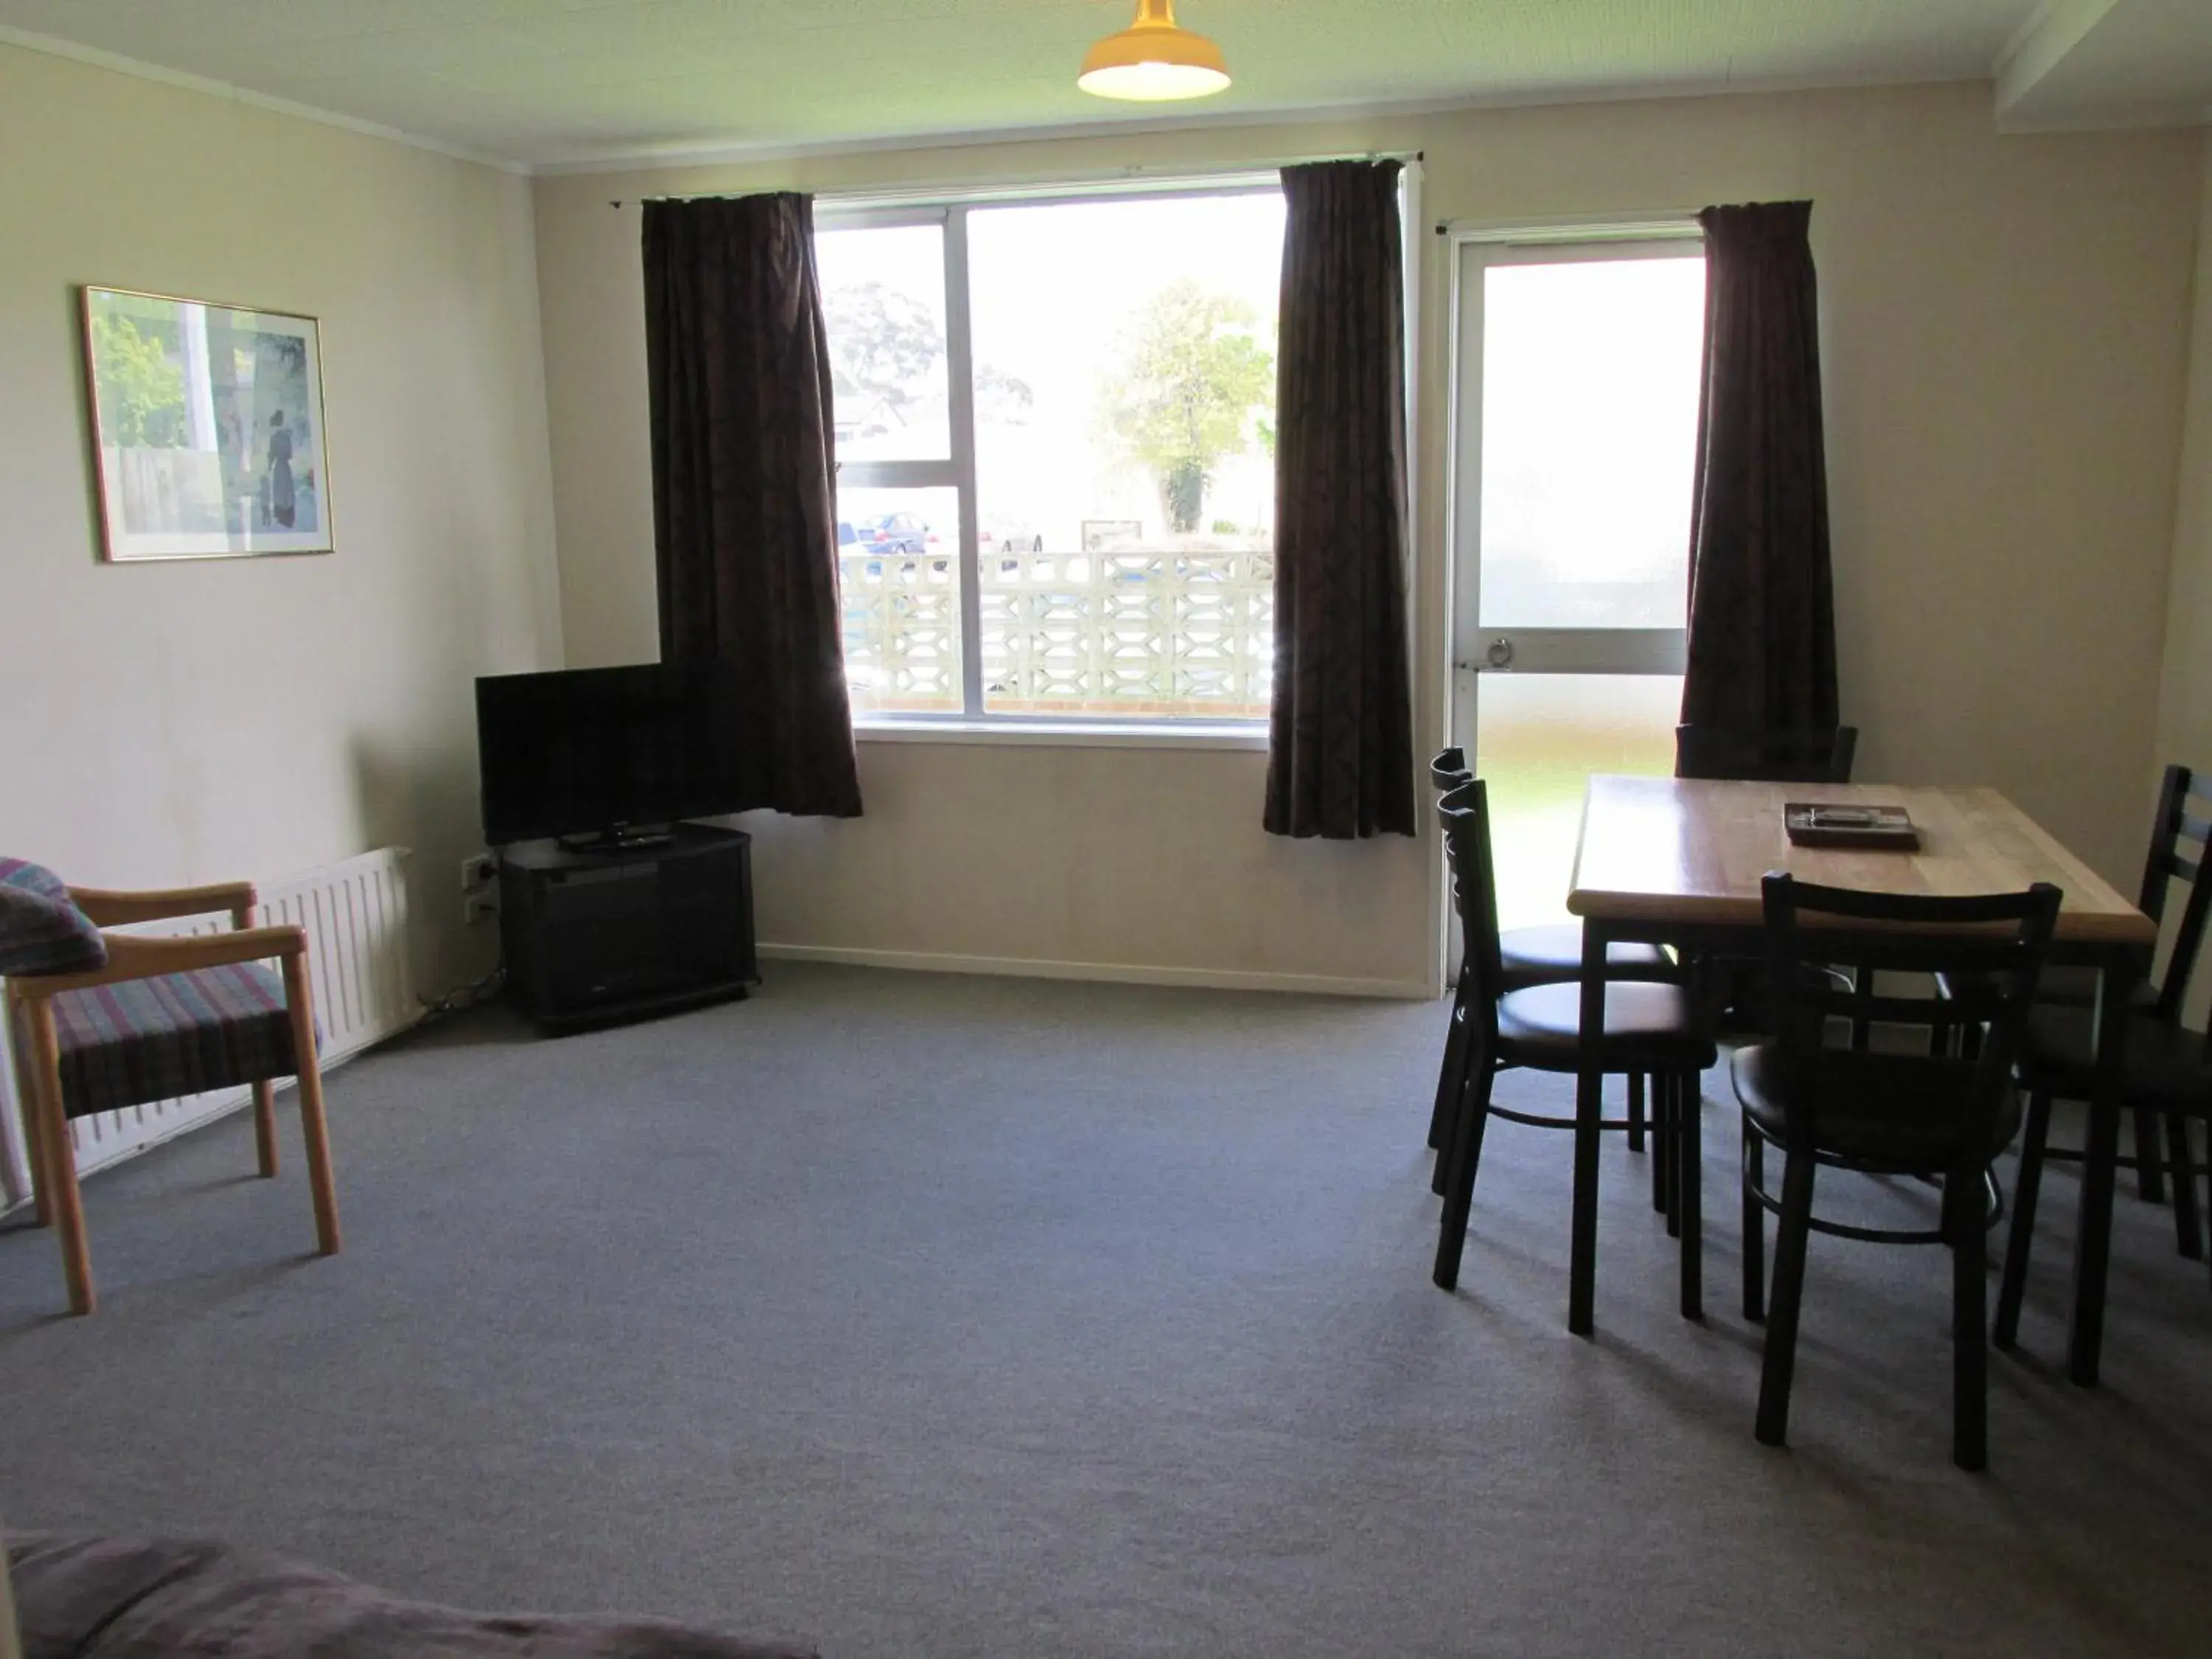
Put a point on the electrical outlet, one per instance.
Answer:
(479, 870)
(478, 907)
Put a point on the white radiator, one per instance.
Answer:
(361, 959)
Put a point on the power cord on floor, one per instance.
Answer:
(463, 998)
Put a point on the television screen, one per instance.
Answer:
(588, 750)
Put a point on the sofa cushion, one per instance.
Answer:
(124, 1598)
(41, 929)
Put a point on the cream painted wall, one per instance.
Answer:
(174, 723)
(2002, 319)
(2184, 726)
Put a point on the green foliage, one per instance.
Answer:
(1196, 374)
(886, 345)
(1002, 400)
(882, 344)
(142, 393)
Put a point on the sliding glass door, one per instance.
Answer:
(1575, 423)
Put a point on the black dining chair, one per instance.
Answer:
(2178, 854)
(1546, 955)
(1907, 1105)
(1650, 1027)
(2166, 1074)
(1770, 755)
(1734, 989)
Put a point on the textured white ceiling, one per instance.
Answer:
(552, 80)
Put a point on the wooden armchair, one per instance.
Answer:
(149, 1019)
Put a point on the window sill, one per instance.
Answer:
(1047, 734)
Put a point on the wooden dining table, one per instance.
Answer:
(1678, 861)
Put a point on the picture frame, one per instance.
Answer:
(207, 428)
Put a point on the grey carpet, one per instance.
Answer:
(941, 1316)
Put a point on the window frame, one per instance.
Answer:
(975, 721)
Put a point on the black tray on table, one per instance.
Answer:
(1839, 823)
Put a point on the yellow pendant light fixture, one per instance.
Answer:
(1153, 60)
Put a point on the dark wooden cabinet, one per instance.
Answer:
(595, 937)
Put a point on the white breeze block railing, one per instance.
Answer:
(1130, 631)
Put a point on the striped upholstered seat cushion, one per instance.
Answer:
(178, 1034)
(41, 929)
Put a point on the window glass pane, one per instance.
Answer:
(898, 562)
(1589, 433)
(882, 298)
(1125, 405)
(1537, 739)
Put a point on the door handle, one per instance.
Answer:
(1497, 657)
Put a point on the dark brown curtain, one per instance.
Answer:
(1340, 743)
(744, 496)
(1762, 646)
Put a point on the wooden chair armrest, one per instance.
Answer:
(132, 955)
(110, 909)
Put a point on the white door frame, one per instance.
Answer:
(1474, 650)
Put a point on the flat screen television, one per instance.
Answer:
(601, 754)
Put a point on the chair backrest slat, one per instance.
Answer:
(1990, 948)
(1449, 769)
(1464, 813)
(2179, 839)
(1767, 755)
(2160, 861)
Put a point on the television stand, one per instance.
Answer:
(600, 934)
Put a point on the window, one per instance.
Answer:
(1055, 423)
(1590, 429)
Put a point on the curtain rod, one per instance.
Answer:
(1131, 178)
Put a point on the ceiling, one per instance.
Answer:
(555, 83)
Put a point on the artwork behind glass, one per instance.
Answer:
(207, 424)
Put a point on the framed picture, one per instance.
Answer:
(207, 428)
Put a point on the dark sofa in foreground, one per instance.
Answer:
(121, 1598)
